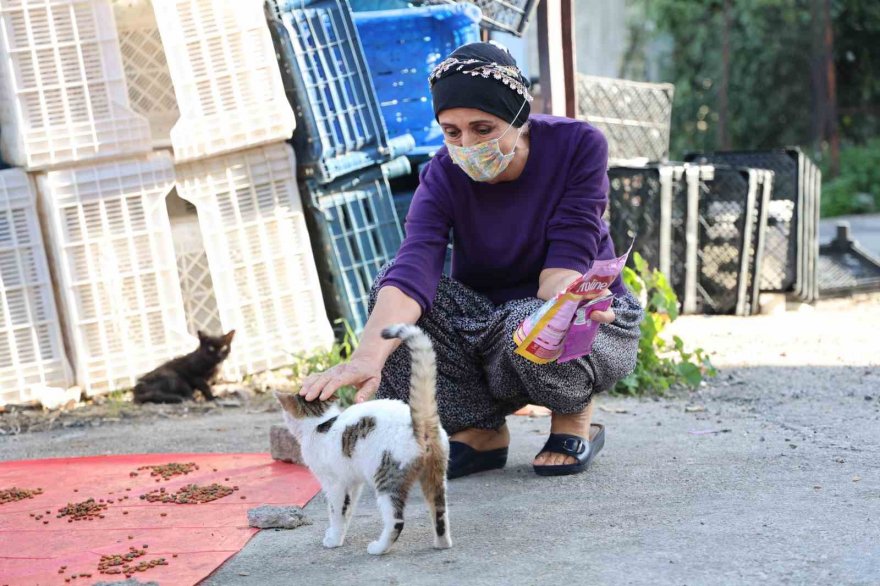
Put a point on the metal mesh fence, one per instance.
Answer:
(634, 116)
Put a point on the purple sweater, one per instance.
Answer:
(504, 234)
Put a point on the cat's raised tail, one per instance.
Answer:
(423, 386)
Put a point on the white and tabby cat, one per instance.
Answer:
(383, 443)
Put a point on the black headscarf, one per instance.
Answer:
(485, 77)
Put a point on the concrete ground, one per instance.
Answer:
(769, 474)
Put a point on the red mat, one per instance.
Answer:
(202, 536)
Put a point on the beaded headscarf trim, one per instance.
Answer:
(507, 74)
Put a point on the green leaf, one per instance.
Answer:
(690, 373)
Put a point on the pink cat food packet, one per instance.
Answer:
(541, 336)
(583, 330)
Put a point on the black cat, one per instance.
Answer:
(179, 378)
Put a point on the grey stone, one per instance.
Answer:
(283, 445)
(277, 517)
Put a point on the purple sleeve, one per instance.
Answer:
(575, 227)
(419, 262)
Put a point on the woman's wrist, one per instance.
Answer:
(374, 356)
(373, 349)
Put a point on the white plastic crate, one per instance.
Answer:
(31, 347)
(110, 247)
(196, 285)
(634, 116)
(146, 70)
(225, 74)
(263, 271)
(62, 88)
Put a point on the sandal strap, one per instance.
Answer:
(566, 443)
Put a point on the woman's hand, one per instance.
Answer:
(603, 317)
(361, 372)
(364, 370)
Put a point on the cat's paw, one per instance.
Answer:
(444, 542)
(378, 548)
(332, 539)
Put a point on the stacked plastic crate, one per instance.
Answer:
(508, 16)
(634, 116)
(32, 353)
(400, 69)
(66, 118)
(242, 249)
(703, 226)
(344, 152)
(793, 217)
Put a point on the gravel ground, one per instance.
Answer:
(768, 474)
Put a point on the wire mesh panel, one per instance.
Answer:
(634, 116)
(400, 65)
(196, 284)
(761, 182)
(791, 244)
(726, 208)
(811, 178)
(845, 268)
(260, 258)
(509, 16)
(150, 88)
(225, 75)
(112, 256)
(637, 212)
(31, 346)
(402, 201)
(325, 74)
(356, 231)
(63, 96)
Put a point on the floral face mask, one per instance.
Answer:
(484, 161)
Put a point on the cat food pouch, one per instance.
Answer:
(541, 336)
(583, 330)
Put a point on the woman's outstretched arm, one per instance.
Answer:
(364, 369)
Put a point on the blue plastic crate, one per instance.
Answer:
(367, 5)
(354, 231)
(402, 201)
(401, 205)
(339, 125)
(400, 63)
(507, 16)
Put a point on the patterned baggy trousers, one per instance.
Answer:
(480, 379)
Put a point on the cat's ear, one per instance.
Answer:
(287, 400)
(227, 339)
(200, 334)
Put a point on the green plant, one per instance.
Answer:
(857, 188)
(762, 92)
(306, 364)
(660, 364)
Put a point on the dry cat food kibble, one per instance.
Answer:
(10, 495)
(190, 494)
(84, 511)
(169, 470)
(122, 563)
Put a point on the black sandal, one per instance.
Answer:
(575, 446)
(465, 460)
